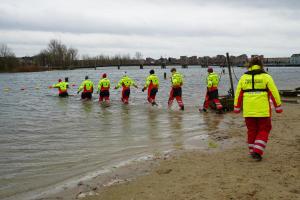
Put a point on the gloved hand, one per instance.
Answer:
(278, 109)
(143, 89)
(236, 110)
(77, 92)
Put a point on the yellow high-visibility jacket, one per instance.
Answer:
(125, 82)
(104, 84)
(152, 79)
(62, 86)
(212, 81)
(86, 86)
(177, 79)
(253, 92)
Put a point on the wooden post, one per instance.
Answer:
(230, 75)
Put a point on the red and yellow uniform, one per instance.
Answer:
(254, 91)
(152, 83)
(62, 88)
(176, 90)
(103, 88)
(125, 83)
(88, 87)
(212, 94)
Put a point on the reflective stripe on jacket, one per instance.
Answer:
(176, 79)
(104, 84)
(253, 92)
(152, 79)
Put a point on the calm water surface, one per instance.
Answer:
(46, 140)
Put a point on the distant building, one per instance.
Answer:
(277, 61)
(150, 61)
(193, 60)
(295, 59)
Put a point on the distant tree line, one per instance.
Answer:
(58, 56)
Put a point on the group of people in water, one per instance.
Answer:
(254, 91)
(151, 85)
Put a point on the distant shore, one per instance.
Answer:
(223, 170)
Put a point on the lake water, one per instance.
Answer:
(48, 141)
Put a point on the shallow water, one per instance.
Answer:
(46, 140)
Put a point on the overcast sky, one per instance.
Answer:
(156, 28)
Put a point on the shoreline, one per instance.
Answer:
(224, 171)
(139, 167)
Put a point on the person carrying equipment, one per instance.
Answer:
(176, 91)
(88, 87)
(103, 88)
(152, 83)
(62, 88)
(254, 91)
(212, 95)
(126, 82)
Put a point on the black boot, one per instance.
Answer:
(256, 156)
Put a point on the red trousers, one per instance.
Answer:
(212, 96)
(152, 93)
(258, 133)
(104, 95)
(125, 95)
(175, 93)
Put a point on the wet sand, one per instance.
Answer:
(223, 170)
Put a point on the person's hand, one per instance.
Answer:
(143, 89)
(236, 110)
(278, 109)
(116, 88)
(77, 92)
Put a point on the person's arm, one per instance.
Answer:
(81, 87)
(148, 81)
(274, 95)
(134, 84)
(57, 85)
(99, 86)
(238, 98)
(119, 84)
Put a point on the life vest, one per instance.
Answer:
(152, 80)
(253, 92)
(104, 84)
(177, 80)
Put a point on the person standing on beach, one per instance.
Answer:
(126, 82)
(254, 91)
(62, 88)
(212, 95)
(176, 89)
(88, 87)
(103, 88)
(152, 83)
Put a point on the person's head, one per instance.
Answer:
(86, 77)
(125, 73)
(173, 70)
(257, 60)
(66, 79)
(151, 71)
(210, 70)
(59, 80)
(104, 75)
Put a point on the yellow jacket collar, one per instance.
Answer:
(254, 67)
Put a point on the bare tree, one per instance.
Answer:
(5, 51)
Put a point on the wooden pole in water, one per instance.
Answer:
(230, 75)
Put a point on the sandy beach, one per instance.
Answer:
(223, 170)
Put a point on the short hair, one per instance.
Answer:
(151, 71)
(173, 70)
(257, 60)
(86, 77)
